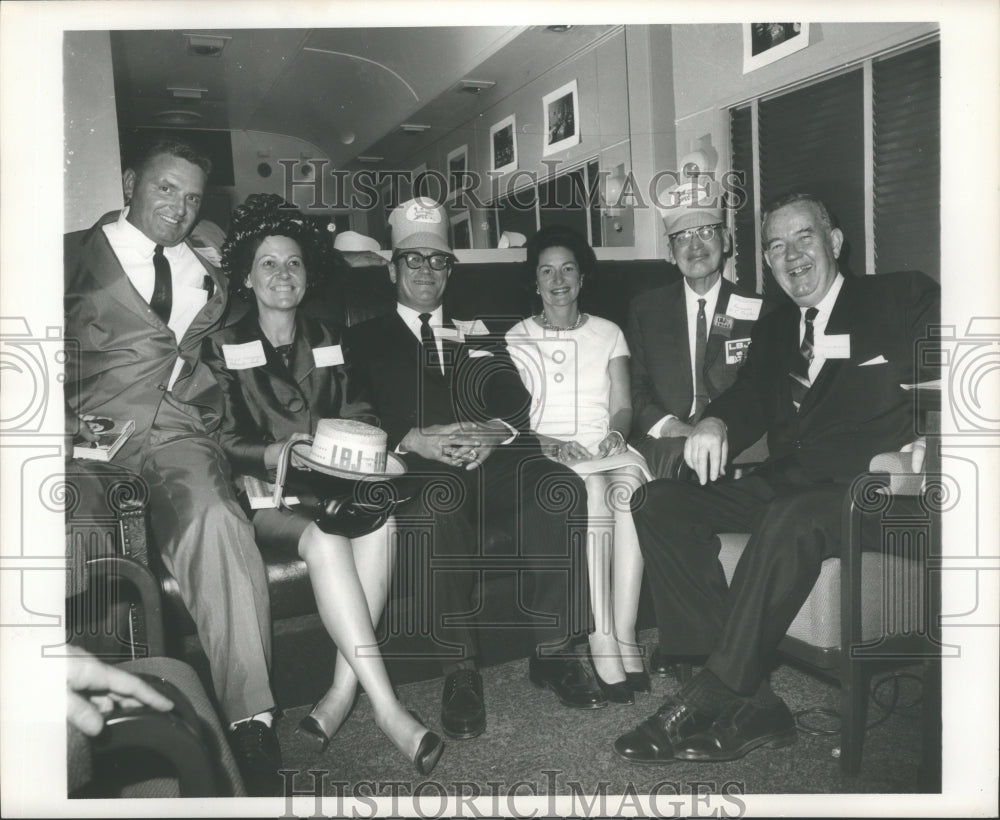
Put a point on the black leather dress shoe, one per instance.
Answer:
(258, 755)
(463, 710)
(741, 728)
(569, 679)
(654, 740)
(639, 681)
(658, 664)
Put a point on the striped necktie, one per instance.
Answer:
(799, 374)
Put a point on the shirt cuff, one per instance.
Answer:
(513, 432)
(656, 430)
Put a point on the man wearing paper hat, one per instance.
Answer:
(452, 402)
(688, 337)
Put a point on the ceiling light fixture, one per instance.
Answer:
(370, 160)
(181, 93)
(206, 45)
(176, 117)
(474, 86)
(559, 29)
(413, 128)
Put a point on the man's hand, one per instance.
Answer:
(95, 688)
(474, 443)
(706, 450)
(569, 452)
(675, 428)
(919, 450)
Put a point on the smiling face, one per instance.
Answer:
(802, 251)
(421, 289)
(278, 275)
(558, 277)
(164, 198)
(697, 258)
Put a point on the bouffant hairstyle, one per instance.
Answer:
(558, 236)
(264, 215)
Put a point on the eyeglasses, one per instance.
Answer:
(415, 260)
(706, 233)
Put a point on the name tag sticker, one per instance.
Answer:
(244, 356)
(474, 328)
(478, 354)
(328, 356)
(722, 325)
(736, 350)
(837, 346)
(740, 307)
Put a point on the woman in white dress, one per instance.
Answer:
(575, 366)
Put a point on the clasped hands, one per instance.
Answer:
(462, 444)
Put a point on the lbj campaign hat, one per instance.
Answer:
(692, 205)
(419, 223)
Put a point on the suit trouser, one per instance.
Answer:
(542, 506)
(664, 456)
(207, 545)
(793, 530)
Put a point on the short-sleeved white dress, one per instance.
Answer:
(566, 373)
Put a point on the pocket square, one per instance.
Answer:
(877, 360)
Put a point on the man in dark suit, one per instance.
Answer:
(687, 338)
(823, 378)
(138, 304)
(452, 403)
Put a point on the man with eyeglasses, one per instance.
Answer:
(455, 408)
(687, 338)
(824, 379)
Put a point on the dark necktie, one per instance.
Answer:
(700, 342)
(428, 345)
(799, 374)
(163, 295)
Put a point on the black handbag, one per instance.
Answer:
(339, 505)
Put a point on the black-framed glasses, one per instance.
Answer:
(415, 260)
(706, 233)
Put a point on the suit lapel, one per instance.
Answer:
(716, 340)
(675, 338)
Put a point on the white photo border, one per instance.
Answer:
(752, 62)
(568, 89)
(497, 128)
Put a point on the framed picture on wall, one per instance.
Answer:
(461, 231)
(458, 164)
(561, 109)
(503, 145)
(764, 43)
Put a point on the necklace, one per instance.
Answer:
(580, 319)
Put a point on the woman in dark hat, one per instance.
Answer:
(282, 372)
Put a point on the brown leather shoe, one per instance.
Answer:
(655, 739)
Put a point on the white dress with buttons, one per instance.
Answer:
(566, 373)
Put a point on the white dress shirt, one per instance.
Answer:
(691, 304)
(825, 308)
(412, 319)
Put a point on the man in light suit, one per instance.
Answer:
(138, 304)
(452, 403)
(677, 368)
(823, 378)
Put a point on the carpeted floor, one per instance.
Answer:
(530, 737)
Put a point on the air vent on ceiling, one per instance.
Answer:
(178, 117)
(474, 86)
(206, 45)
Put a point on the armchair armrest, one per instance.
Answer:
(899, 468)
